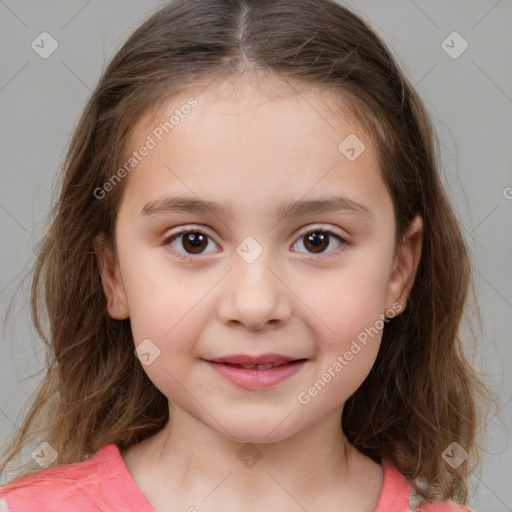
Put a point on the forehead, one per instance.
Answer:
(261, 104)
(246, 139)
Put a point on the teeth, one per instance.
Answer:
(267, 366)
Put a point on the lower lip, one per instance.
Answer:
(257, 379)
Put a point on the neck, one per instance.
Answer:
(190, 459)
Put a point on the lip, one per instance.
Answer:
(251, 378)
(247, 359)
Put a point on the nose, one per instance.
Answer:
(255, 296)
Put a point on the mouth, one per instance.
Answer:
(257, 376)
(267, 366)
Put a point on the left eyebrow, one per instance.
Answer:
(330, 204)
(290, 209)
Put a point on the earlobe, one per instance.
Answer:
(117, 305)
(406, 264)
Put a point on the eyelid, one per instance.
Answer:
(320, 227)
(192, 227)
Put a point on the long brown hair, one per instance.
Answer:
(422, 393)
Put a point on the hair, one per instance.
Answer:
(422, 393)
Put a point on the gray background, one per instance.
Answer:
(469, 97)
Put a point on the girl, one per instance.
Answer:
(254, 280)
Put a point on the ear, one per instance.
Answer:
(405, 266)
(117, 305)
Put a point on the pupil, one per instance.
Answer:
(317, 240)
(195, 240)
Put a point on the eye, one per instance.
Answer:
(190, 241)
(317, 240)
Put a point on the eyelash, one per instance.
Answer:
(188, 257)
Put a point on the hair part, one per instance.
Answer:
(422, 393)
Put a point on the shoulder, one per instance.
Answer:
(398, 495)
(59, 488)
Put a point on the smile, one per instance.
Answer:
(258, 376)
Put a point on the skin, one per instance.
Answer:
(215, 303)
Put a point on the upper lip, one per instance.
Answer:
(246, 359)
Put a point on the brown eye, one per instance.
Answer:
(189, 242)
(194, 242)
(317, 241)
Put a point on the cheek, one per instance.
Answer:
(349, 305)
(162, 301)
(170, 314)
(348, 347)
(347, 300)
(167, 315)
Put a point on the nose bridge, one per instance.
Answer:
(255, 295)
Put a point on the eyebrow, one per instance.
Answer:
(179, 204)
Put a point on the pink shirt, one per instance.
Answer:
(102, 483)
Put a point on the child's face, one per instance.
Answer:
(254, 153)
